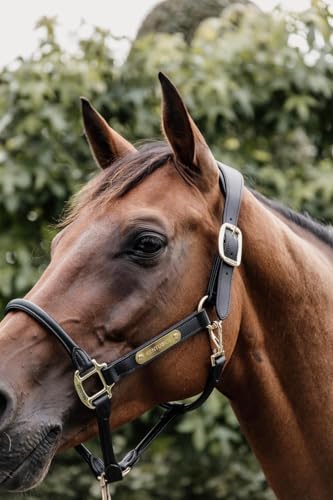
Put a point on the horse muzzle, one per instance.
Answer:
(25, 455)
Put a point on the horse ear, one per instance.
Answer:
(105, 143)
(193, 156)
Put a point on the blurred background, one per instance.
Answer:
(259, 82)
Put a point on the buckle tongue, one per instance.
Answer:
(79, 387)
(237, 233)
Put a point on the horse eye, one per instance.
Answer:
(148, 245)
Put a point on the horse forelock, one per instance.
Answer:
(119, 178)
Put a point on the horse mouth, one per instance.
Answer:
(33, 468)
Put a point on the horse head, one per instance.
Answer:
(132, 257)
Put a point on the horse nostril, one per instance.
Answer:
(6, 408)
(3, 404)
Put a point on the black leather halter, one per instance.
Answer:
(218, 294)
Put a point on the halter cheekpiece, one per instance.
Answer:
(218, 294)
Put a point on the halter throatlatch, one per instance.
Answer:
(229, 255)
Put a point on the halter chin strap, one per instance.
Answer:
(218, 294)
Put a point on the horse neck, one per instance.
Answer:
(280, 376)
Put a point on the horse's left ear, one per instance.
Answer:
(193, 156)
(105, 143)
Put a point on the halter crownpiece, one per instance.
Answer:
(218, 294)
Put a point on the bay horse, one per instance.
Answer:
(134, 256)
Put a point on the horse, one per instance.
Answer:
(133, 256)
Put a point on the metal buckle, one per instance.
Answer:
(81, 392)
(217, 340)
(236, 232)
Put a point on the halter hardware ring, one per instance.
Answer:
(126, 471)
(79, 387)
(237, 233)
(201, 303)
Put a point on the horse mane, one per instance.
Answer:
(321, 231)
(127, 172)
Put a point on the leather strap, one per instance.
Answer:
(234, 182)
(221, 278)
(112, 469)
(96, 464)
(187, 328)
(173, 410)
(80, 359)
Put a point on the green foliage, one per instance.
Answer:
(39, 129)
(260, 87)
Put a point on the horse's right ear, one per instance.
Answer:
(105, 143)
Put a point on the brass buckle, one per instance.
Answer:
(81, 392)
(236, 232)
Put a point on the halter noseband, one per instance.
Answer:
(218, 294)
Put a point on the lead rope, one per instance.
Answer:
(216, 341)
(104, 485)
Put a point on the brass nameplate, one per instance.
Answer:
(157, 347)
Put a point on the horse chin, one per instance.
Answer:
(29, 472)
